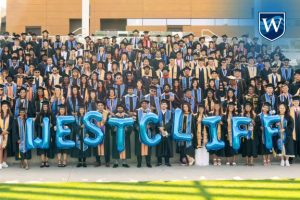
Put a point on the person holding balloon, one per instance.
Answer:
(81, 151)
(187, 125)
(217, 154)
(104, 148)
(230, 153)
(5, 132)
(45, 154)
(259, 130)
(249, 144)
(19, 139)
(143, 150)
(62, 154)
(285, 144)
(121, 157)
(165, 148)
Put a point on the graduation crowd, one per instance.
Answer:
(130, 77)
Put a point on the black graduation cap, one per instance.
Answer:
(286, 59)
(200, 38)
(250, 57)
(172, 57)
(93, 90)
(144, 100)
(45, 31)
(214, 36)
(30, 78)
(296, 98)
(186, 68)
(22, 109)
(231, 89)
(237, 70)
(75, 68)
(224, 36)
(75, 86)
(266, 104)
(71, 34)
(135, 31)
(61, 106)
(87, 37)
(118, 74)
(210, 58)
(130, 86)
(270, 85)
(146, 66)
(14, 58)
(210, 90)
(57, 86)
(84, 76)
(274, 66)
(201, 105)
(213, 71)
(231, 103)
(5, 102)
(153, 87)
(166, 69)
(101, 101)
(248, 103)
(45, 102)
(164, 101)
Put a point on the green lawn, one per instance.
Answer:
(209, 190)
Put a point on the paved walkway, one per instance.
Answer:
(14, 174)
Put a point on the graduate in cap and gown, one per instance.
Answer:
(74, 101)
(126, 154)
(39, 125)
(131, 101)
(295, 114)
(112, 101)
(140, 148)
(154, 101)
(168, 95)
(6, 141)
(165, 148)
(104, 148)
(19, 139)
(285, 144)
(187, 125)
(269, 97)
(57, 99)
(91, 104)
(119, 86)
(23, 102)
(79, 132)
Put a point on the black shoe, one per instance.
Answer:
(125, 165)
(168, 164)
(84, 165)
(139, 166)
(98, 164)
(107, 164)
(42, 165)
(149, 165)
(158, 164)
(115, 165)
(79, 165)
(47, 164)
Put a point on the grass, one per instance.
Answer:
(207, 190)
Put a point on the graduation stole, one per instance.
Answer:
(184, 82)
(199, 131)
(173, 71)
(283, 124)
(162, 82)
(127, 101)
(54, 105)
(191, 101)
(21, 126)
(267, 97)
(284, 75)
(122, 89)
(188, 125)
(198, 68)
(209, 104)
(123, 66)
(54, 79)
(104, 118)
(261, 116)
(289, 96)
(229, 129)
(111, 105)
(101, 75)
(163, 122)
(270, 78)
(24, 105)
(11, 90)
(293, 115)
(74, 109)
(252, 71)
(78, 136)
(198, 96)
(209, 69)
(4, 123)
(171, 94)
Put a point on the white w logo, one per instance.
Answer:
(273, 23)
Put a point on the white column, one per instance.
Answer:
(85, 19)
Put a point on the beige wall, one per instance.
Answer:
(54, 15)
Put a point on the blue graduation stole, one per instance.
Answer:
(162, 82)
(186, 84)
(127, 101)
(17, 106)
(122, 88)
(191, 101)
(198, 97)
(267, 97)
(78, 142)
(140, 116)
(135, 91)
(21, 126)
(188, 127)
(285, 76)
(158, 90)
(72, 106)
(70, 44)
(217, 82)
(54, 106)
(281, 97)
(156, 99)
(112, 107)
(167, 117)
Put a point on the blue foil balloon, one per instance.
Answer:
(120, 123)
(237, 132)
(61, 132)
(44, 142)
(40, 143)
(91, 127)
(212, 123)
(29, 134)
(177, 135)
(145, 139)
(269, 131)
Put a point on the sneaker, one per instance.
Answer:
(227, 163)
(4, 165)
(287, 163)
(282, 163)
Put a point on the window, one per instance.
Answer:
(113, 24)
(75, 26)
(174, 29)
(33, 29)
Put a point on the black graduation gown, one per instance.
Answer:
(115, 152)
(16, 137)
(297, 130)
(39, 133)
(288, 141)
(249, 144)
(261, 148)
(80, 150)
(165, 147)
(229, 151)
(10, 145)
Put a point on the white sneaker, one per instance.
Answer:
(287, 163)
(0, 166)
(282, 163)
(4, 165)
